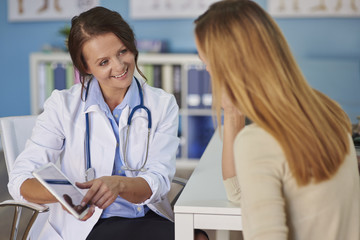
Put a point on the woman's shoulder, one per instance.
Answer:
(256, 142)
(254, 132)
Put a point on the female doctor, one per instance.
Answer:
(127, 173)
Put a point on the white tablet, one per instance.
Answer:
(60, 186)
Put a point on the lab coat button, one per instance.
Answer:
(139, 209)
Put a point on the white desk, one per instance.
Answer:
(203, 203)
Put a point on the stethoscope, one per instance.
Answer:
(90, 171)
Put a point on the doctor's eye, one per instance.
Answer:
(122, 52)
(104, 62)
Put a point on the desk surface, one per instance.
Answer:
(204, 193)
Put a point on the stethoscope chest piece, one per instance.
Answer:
(90, 174)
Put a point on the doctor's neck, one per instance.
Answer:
(114, 98)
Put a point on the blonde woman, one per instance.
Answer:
(294, 169)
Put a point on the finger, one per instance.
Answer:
(107, 203)
(84, 185)
(89, 214)
(90, 193)
(104, 198)
(102, 193)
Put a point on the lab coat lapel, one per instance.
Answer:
(102, 142)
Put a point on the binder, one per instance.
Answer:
(60, 77)
(167, 80)
(70, 75)
(42, 84)
(206, 95)
(149, 74)
(157, 76)
(77, 76)
(177, 83)
(194, 87)
(179, 150)
(200, 131)
(49, 84)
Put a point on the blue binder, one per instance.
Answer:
(194, 87)
(177, 83)
(206, 95)
(200, 131)
(60, 77)
(157, 76)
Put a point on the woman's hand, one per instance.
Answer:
(102, 191)
(228, 105)
(234, 121)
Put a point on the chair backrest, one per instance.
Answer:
(15, 131)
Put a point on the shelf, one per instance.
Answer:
(168, 58)
(196, 111)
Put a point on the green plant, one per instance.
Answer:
(65, 31)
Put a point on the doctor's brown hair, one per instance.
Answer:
(251, 61)
(94, 22)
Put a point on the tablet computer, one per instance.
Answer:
(60, 186)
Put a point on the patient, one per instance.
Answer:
(294, 169)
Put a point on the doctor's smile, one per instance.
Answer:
(121, 75)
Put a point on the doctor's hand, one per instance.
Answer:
(102, 191)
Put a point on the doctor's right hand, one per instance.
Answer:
(102, 191)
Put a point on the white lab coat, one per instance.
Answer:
(59, 133)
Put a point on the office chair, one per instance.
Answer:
(15, 131)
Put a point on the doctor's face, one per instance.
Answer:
(110, 62)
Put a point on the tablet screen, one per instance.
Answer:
(60, 186)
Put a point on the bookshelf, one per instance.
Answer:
(180, 75)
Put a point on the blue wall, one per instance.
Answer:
(318, 44)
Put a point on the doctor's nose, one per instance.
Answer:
(119, 65)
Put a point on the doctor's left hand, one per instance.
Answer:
(102, 191)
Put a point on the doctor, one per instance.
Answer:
(127, 173)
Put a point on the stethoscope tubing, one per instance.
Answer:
(126, 167)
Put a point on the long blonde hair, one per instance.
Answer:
(250, 59)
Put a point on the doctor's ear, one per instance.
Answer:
(87, 70)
